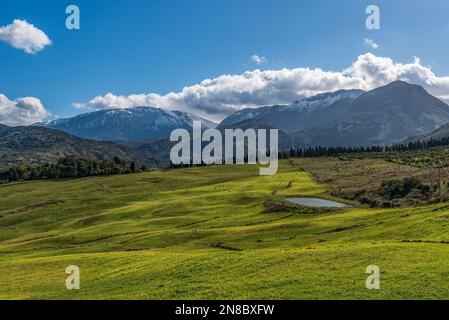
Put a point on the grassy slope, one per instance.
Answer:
(149, 236)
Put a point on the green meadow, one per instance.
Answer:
(204, 233)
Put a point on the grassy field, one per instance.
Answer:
(168, 235)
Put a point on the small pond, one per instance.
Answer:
(316, 202)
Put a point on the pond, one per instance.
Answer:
(316, 202)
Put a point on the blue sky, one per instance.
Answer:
(159, 46)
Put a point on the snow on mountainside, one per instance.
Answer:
(139, 123)
(295, 115)
(385, 115)
(325, 99)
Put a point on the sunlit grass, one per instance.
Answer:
(152, 236)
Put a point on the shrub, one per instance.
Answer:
(396, 189)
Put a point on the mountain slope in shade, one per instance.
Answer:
(285, 141)
(36, 145)
(438, 134)
(133, 124)
(306, 113)
(384, 115)
(160, 150)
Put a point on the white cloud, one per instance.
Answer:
(23, 35)
(370, 43)
(22, 111)
(216, 98)
(258, 59)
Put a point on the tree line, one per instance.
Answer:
(71, 167)
(321, 151)
(318, 151)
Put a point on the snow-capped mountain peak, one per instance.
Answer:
(293, 113)
(325, 99)
(139, 123)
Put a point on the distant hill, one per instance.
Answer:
(157, 150)
(133, 124)
(285, 141)
(438, 134)
(384, 115)
(36, 145)
(160, 149)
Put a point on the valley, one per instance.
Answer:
(224, 231)
(215, 159)
(206, 233)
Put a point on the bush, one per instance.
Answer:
(396, 189)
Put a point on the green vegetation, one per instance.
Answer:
(396, 189)
(411, 146)
(377, 182)
(211, 233)
(70, 167)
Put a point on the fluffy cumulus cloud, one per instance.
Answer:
(258, 59)
(25, 36)
(370, 43)
(221, 96)
(22, 111)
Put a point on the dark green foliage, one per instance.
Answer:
(70, 167)
(320, 151)
(396, 189)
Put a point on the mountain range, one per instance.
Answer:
(132, 124)
(393, 113)
(384, 115)
(306, 113)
